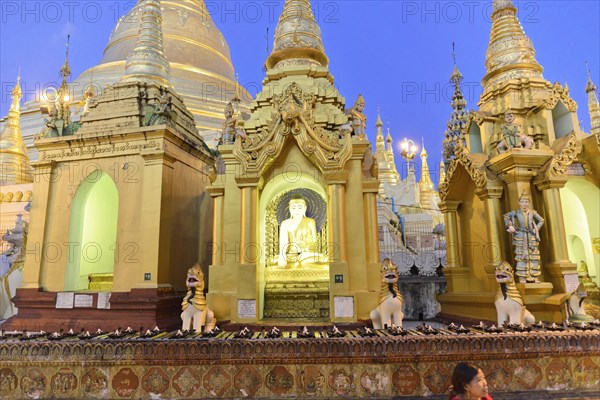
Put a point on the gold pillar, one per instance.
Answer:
(216, 252)
(336, 211)
(494, 250)
(248, 229)
(558, 263)
(449, 209)
(457, 276)
(370, 191)
(35, 261)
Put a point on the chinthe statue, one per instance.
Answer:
(358, 119)
(196, 313)
(524, 226)
(509, 305)
(230, 129)
(298, 243)
(389, 310)
(575, 310)
(510, 135)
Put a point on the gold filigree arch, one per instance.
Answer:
(567, 149)
(474, 165)
(293, 117)
(560, 93)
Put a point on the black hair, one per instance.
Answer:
(463, 374)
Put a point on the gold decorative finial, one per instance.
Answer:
(379, 123)
(297, 37)
(510, 53)
(456, 77)
(593, 104)
(502, 4)
(147, 62)
(13, 151)
(590, 87)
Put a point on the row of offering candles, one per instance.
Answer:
(304, 333)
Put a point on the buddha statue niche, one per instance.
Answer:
(298, 244)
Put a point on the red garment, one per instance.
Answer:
(488, 397)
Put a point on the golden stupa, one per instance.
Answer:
(201, 70)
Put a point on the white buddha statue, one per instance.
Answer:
(298, 238)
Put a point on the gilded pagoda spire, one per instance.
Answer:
(454, 137)
(510, 53)
(15, 165)
(379, 140)
(297, 37)
(426, 187)
(442, 173)
(593, 106)
(148, 62)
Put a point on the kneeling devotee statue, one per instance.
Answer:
(298, 243)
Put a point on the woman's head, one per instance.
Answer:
(469, 381)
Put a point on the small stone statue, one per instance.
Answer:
(509, 304)
(230, 129)
(358, 119)
(60, 117)
(389, 311)
(575, 310)
(11, 260)
(194, 304)
(524, 225)
(510, 135)
(162, 111)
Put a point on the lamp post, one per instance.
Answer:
(409, 151)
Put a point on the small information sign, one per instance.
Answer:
(343, 307)
(65, 300)
(247, 309)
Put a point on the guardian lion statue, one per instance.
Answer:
(509, 304)
(575, 310)
(194, 304)
(389, 310)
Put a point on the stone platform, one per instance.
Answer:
(297, 293)
(384, 366)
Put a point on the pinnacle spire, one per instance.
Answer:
(297, 37)
(147, 62)
(14, 161)
(590, 85)
(426, 188)
(456, 76)
(442, 173)
(454, 135)
(593, 105)
(379, 141)
(501, 4)
(510, 53)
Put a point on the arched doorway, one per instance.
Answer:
(92, 231)
(580, 199)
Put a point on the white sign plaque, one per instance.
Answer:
(104, 301)
(84, 300)
(571, 282)
(64, 300)
(247, 309)
(343, 307)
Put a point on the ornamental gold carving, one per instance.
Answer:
(562, 159)
(560, 93)
(292, 114)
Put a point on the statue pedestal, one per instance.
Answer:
(297, 293)
(517, 167)
(540, 301)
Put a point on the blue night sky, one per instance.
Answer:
(396, 53)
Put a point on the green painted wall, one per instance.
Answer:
(92, 231)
